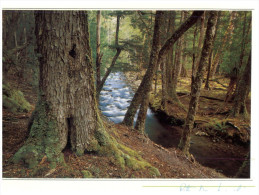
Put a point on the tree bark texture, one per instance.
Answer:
(129, 117)
(207, 85)
(200, 42)
(167, 65)
(148, 77)
(183, 72)
(243, 89)
(66, 110)
(98, 46)
(196, 85)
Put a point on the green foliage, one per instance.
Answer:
(14, 100)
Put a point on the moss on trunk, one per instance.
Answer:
(43, 139)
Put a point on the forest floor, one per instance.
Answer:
(169, 161)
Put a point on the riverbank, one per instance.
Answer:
(169, 161)
(217, 142)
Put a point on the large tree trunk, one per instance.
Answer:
(129, 117)
(66, 112)
(98, 46)
(243, 88)
(196, 84)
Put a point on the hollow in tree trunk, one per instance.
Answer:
(66, 112)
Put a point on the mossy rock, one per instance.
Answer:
(14, 100)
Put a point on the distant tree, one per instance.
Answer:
(196, 84)
(167, 66)
(19, 58)
(118, 51)
(226, 40)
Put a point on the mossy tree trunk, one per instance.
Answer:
(137, 99)
(196, 84)
(66, 111)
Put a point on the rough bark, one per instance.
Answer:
(167, 65)
(183, 71)
(200, 42)
(98, 45)
(207, 85)
(243, 89)
(140, 124)
(129, 117)
(66, 89)
(196, 84)
(194, 51)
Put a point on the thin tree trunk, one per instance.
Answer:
(207, 84)
(100, 86)
(118, 51)
(200, 42)
(140, 124)
(196, 85)
(194, 52)
(129, 117)
(207, 87)
(98, 45)
(183, 72)
(169, 65)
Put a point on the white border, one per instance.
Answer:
(43, 186)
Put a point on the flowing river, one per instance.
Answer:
(115, 98)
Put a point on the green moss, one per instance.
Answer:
(87, 174)
(14, 100)
(154, 172)
(43, 139)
